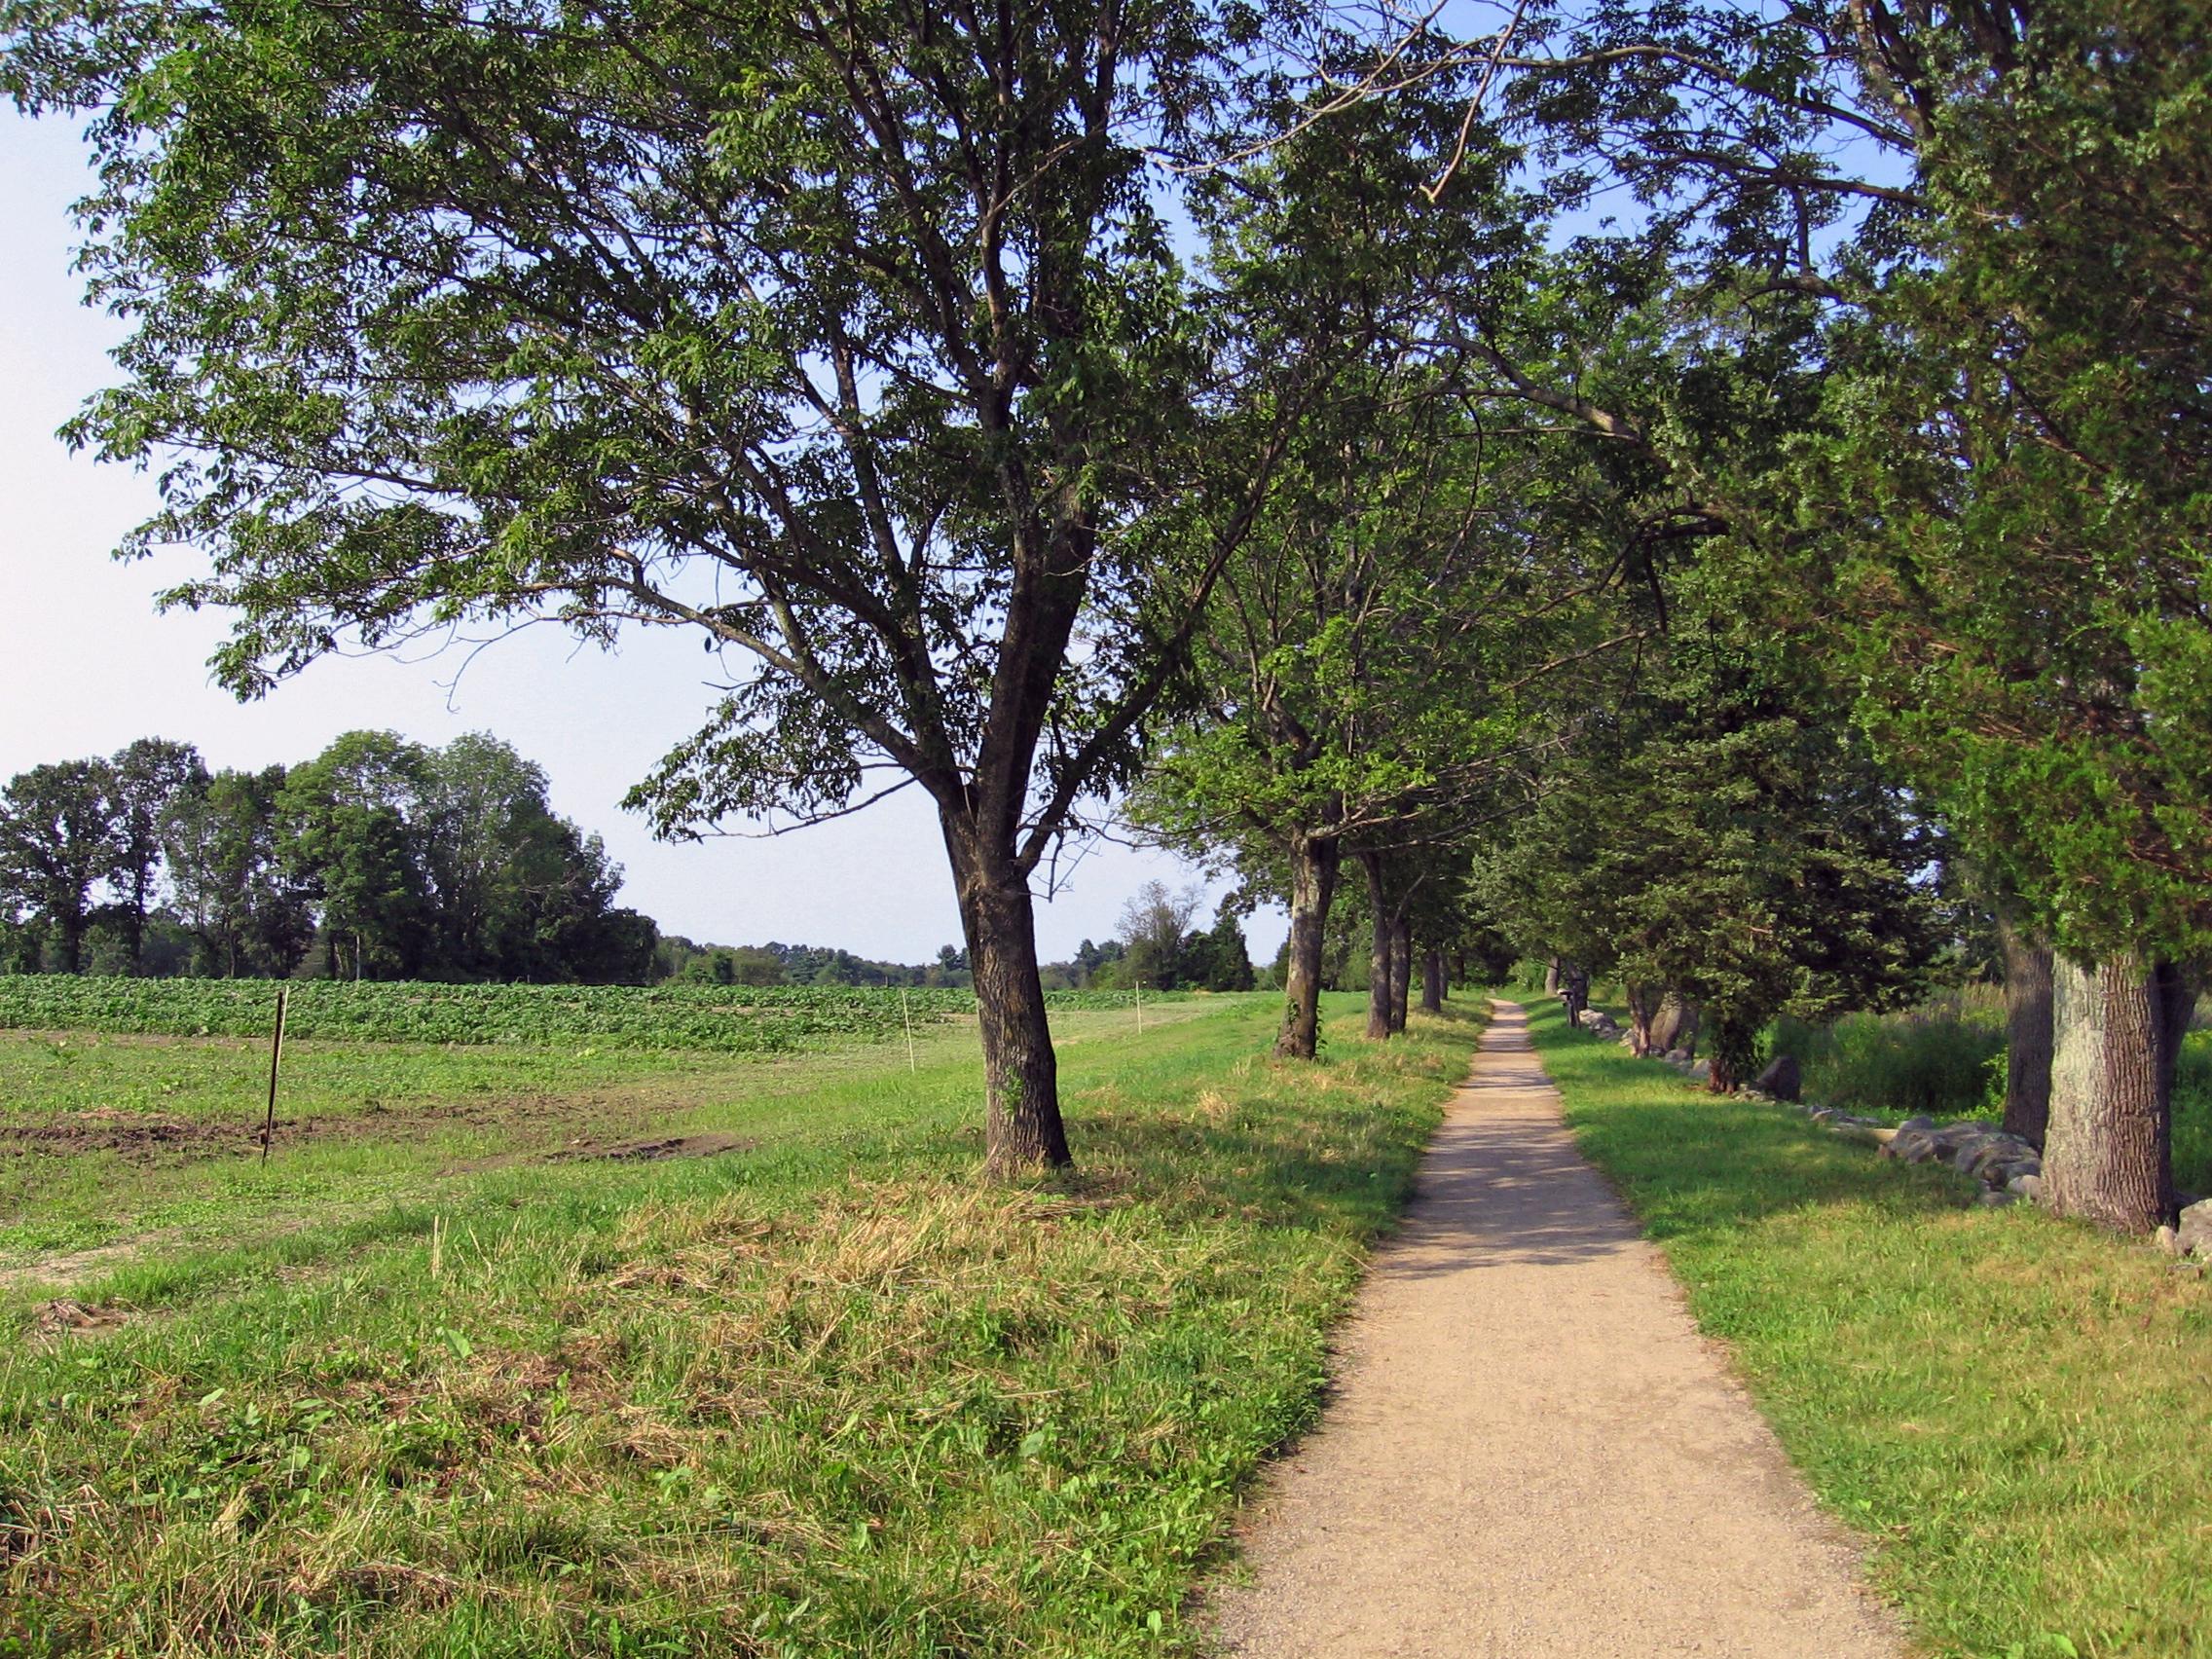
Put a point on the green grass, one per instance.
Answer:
(2012, 1408)
(829, 1394)
(108, 1138)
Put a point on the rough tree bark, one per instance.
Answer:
(1644, 1004)
(1432, 981)
(1314, 865)
(1401, 971)
(1379, 950)
(1023, 1130)
(2107, 1154)
(1551, 976)
(1674, 1025)
(2028, 1027)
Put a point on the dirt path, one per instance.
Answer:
(1530, 1452)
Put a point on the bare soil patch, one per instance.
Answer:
(657, 1149)
(142, 1139)
(65, 1317)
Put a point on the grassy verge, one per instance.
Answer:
(828, 1395)
(2013, 1409)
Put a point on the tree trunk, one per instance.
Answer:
(2027, 1020)
(1551, 976)
(2108, 1155)
(1573, 991)
(1314, 863)
(69, 937)
(1675, 1027)
(1735, 1055)
(1022, 1129)
(1432, 981)
(1401, 971)
(1644, 1006)
(1379, 950)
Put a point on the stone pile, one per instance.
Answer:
(2007, 1165)
(1599, 1023)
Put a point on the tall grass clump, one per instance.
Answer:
(1939, 1058)
(2193, 1115)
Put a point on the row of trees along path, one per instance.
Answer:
(1654, 484)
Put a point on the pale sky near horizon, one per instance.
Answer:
(88, 664)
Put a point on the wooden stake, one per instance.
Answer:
(275, 1062)
(1140, 1008)
(908, 1018)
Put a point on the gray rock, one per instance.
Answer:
(1963, 1132)
(1996, 1196)
(2029, 1187)
(1968, 1151)
(2167, 1240)
(2195, 1232)
(1781, 1078)
(1677, 1056)
(1700, 1071)
(1920, 1120)
(1913, 1146)
(1999, 1152)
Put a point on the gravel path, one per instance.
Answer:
(1529, 1450)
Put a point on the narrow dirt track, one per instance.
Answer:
(1528, 1449)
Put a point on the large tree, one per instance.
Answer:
(844, 335)
(2005, 489)
(145, 777)
(230, 888)
(1361, 677)
(355, 825)
(58, 843)
(1728, 840)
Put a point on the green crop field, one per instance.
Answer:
(727, 1018)
(519, 1349)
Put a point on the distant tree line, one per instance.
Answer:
(380, 859)
(773, 964)
(1157, 948)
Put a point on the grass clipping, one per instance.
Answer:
(856, 1404)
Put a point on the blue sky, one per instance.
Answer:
(89, 665)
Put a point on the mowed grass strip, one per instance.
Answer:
(2016, 1411)
(830, 1397)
